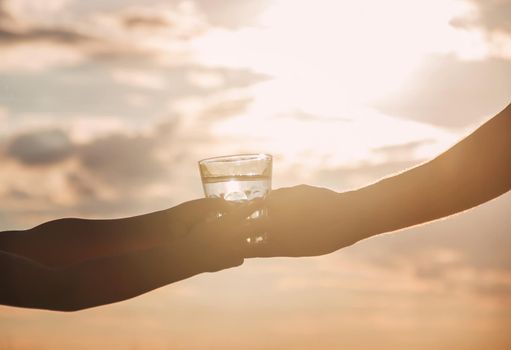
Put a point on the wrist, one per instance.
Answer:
(357, 214)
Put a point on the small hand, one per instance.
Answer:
(166, 226)
(210, 243)
(304, 221)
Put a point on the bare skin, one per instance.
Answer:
(73, 264)
(308, 221)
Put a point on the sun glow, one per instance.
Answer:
(360, 49)
(328, 61)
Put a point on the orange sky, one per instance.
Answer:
(106, 106)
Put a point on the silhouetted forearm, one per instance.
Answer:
(68, 241)
(93, 283)
(474, 171)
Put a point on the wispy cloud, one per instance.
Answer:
(492, 15)
(219, 12)
(51, 35)
(453, 93)
(146, 21)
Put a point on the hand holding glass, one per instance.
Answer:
(238, 178)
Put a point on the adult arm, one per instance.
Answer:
(307, 220)
(472, 172)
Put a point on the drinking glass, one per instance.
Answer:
(238, 178)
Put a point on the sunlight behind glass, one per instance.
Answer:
(328, 62)
(362, 50)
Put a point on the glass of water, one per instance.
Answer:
(238, 178)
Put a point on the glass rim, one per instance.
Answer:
(237, 158)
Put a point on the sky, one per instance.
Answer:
(106, 107)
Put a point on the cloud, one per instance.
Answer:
(39, 148)
(172, 22)
(116, 174)
(30, 11)
(54, 46)
(220, 12)
(492, 15)
(82, 188)
(451, 93)
(131, 91)
(122, 160)
(401, 151)
(139, 79)
(51, 35)
(137, 21)
(157, 33)
(224, 108)
(496, 290)
(455, 270)
(17, 194)
(19, 58)
(118, 159)
(134, 33)
(13, 31)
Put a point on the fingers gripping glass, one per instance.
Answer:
(239, 178)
